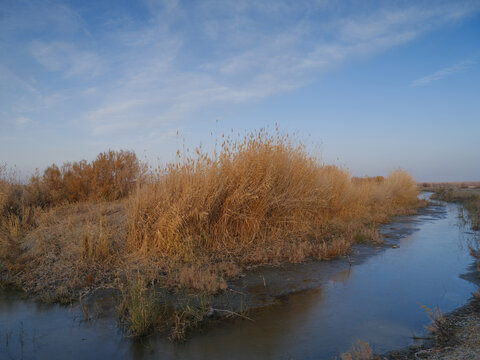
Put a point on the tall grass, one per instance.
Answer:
(260, 199)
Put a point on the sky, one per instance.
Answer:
(371, 86)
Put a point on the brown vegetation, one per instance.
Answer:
(192, 225)
(111, 176)
(360, 351)
(261, 200)
(433, 186)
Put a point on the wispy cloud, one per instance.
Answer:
(130, 74)
(454, 69)
(67, 58)
(23, 121)
(252, 60)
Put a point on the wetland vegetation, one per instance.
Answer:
(187, 228)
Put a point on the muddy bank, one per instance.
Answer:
(265, 285)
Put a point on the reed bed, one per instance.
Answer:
(262, 199)
(187, 227)
(196, 222)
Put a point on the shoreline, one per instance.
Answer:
(459, 333)
(460, 337)
(264, 285)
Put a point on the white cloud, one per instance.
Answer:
(23, 121)
(271, 61)
(457, 68)
(67, 58)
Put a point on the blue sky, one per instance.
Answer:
(369, 85)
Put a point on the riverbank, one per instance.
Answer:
(455, 335)
(458, 337)
(375, 291)
(169, 240)
(256, 287)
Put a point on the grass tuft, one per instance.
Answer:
(139, 308)
(360, 351)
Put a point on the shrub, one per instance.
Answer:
(115, 174)
(111, 176)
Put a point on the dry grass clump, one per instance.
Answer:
(197, 222)
(13, 220)
(263, 199)
(144, 308)
(46, 244)
(15, 215)
(4, 186)
(139, 308)
(199, 278)
(439, 326)
(71, 248)
(112, 175)
(185, 319)
(360, 351)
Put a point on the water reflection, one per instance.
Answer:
(342, 276)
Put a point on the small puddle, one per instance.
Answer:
(378, 299)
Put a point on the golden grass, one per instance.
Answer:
(201, 219)
(262, 199)
(197, 222)
(193, 224)
(74, 246)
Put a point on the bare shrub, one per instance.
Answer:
(438, 325)
(112, 175)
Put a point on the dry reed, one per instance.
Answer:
(262, 199)
(193, 224)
